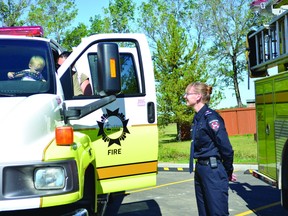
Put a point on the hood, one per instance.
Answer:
(8, 104)
(27, 126)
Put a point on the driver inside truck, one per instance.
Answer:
(81, 84)
(34, 73)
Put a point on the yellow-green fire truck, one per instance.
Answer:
(268, 62)
(62, 149)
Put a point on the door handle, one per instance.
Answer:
(151, 112)
(267, 129)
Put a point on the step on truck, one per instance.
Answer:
(267, 55)
(59, 149)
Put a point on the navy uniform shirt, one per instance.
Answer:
(211, 138)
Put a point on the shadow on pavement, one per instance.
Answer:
(261, 199)
(142, 208)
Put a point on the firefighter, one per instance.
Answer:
(213, 152)
(81, 83)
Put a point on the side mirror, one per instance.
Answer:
(109, 78)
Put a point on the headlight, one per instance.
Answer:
(49, 178)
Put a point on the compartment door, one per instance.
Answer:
(265, 128)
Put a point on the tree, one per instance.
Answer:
(227, 23)
(121, 14)
(11, 12)
(73, 37)
(176, 59)
(55, 16)
(176, 65)
(119, 17)
(99, 25)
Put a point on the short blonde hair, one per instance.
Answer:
(37, 61)
(203, 89)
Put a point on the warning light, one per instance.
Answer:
(64, 135)
(32, 31)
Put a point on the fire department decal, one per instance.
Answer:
(113, 127)
(214, 124)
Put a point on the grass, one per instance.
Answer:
(245, 148)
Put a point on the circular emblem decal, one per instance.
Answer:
(113, 127)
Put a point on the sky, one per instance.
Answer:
(90, 8)
(247, 92)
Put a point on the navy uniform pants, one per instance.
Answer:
(211, 188)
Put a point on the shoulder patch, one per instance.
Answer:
(214, 124)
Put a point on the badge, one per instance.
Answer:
(214, 124)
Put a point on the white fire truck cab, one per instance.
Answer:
(60, 149)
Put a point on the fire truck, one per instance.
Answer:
(59, 149)
(267, 54)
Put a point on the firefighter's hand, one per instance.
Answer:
(232, 177)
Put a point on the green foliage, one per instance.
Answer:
(174, 153)
(98, 25)
(119, 17)
(177, 59)
(245, 147)
(11, 12)
(73, 37)
(121, 14)
(55, 16)
(226, 25)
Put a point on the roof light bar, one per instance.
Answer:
(35, 31)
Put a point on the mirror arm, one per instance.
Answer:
(74, 113)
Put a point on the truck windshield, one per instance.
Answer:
(26, 67)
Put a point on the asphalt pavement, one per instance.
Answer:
(174, 195)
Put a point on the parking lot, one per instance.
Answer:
(174, 195)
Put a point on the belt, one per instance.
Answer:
(205, 161)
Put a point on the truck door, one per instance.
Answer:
(124, 133)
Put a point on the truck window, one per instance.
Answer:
(23, 61)
(129, 81)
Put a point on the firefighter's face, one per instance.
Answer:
(191, 96)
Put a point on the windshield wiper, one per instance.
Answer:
(7, 95)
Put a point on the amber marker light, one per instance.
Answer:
(64, 135)
(113, 67)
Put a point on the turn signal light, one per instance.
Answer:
(64, 135)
